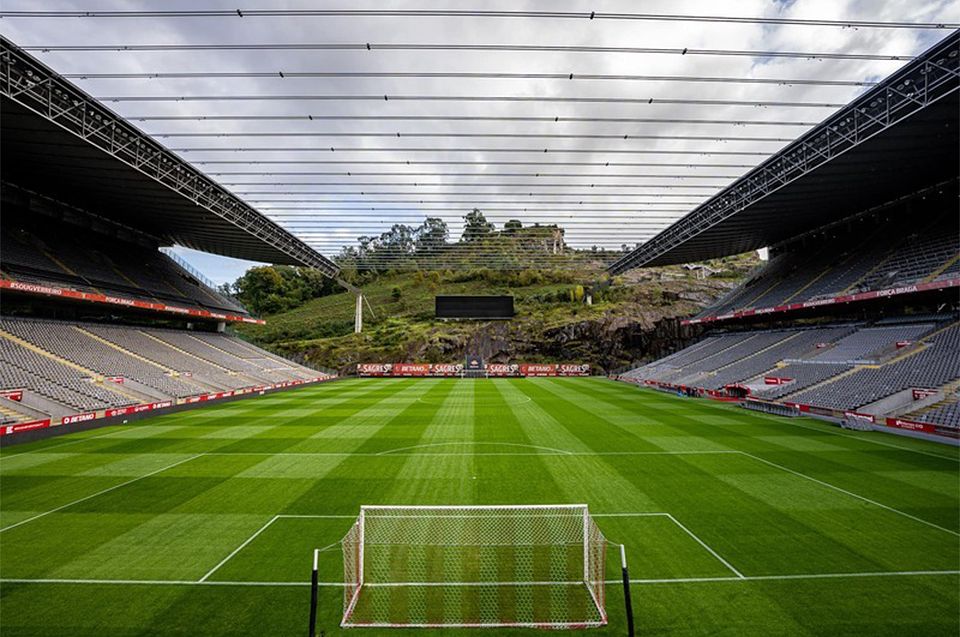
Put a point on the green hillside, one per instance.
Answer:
(554, 321)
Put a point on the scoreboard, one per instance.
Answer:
(474, 307)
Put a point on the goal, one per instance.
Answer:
(537, 566)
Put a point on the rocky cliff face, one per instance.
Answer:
(607, 342)
(635, 320)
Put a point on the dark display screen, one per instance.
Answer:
(475, 307)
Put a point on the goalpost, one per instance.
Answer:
(539, 566)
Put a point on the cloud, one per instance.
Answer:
(629, 214)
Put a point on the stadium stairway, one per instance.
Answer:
(9, 414)
(803, 288)
(915, 349)
(739, 361)
(134, 284)
(826, 381)
(949, 397)
(111, 387)
(943, 268)
(267, 372)
(201, 387)
(247, 380)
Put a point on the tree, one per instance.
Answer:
(512, 227)
(397, 241)
(431, 235)
(275, 288)
(476, 227)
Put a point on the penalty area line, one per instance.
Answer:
(851, 494)
(99, 493)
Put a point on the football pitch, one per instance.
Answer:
(735, 523)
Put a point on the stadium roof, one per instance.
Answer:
(60, 141)
(898, 137)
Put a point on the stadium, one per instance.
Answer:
(449, 319)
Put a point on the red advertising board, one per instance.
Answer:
(446, 369)
(502, 369)
(573, 370)
(411, 369)
(902, 344)
(75, 418)
(374, 369)
(910, 425)
(920, 394)
(136, 409)
(776, 380)
(538, 369)
(94, 297)
(12, 394)
(25, 426)
(847, 298)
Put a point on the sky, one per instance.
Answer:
(599, 204)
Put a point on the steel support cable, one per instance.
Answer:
(608, 199)
(416, 215)
(326, 162)
(365, 204)
(400, 135)
(362, 149)
(670, 101)
(408, 162)
(306, 215)
(445, 184)
(463, 118)
(532, 204)
(569, 76)
(493, 255)
(513, 48)
(400, 193)
(472, 13)
(348, 173)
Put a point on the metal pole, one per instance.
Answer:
(314, 585)
(358, 316)
(627, 602)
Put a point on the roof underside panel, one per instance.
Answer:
(890, 155)
(907, 158)
(41, 156)
(65, 152)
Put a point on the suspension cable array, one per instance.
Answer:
(545, 139)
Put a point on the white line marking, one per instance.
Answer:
(65, 443)
(307, 516)
(677, 580)
(392, 452)
(441, 403)
(704, 545)
(238, 549)
(98, 493)
(831, 429)
(474, 443)
(851, 494)
(628, 515)
(799, 576)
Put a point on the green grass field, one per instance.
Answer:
(735, 523)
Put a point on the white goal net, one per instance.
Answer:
(474, 566)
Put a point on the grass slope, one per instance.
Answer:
(402, 324)
(834, 532)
